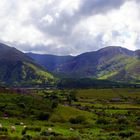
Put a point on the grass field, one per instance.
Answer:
(84, 114)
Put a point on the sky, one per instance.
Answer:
(69, 27)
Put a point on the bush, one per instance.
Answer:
(43, 116)
(113, 133)
(54, 104)
(23, 132)
(47, 133)
(36, 129)
(3, 129)
(78, 120)
(22, 105)
(102, 121)
(122, 121)
(126, 134)
(135, 137)
(27, 137)
(122, 127)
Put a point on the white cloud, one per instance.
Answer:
(118, 27)
(47, 19)
(70, 6)
(62, 27)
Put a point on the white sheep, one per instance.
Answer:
(71, 129)
(24, 126)
(49, 129)
(21, 123)
(13, 128)
(0, 125)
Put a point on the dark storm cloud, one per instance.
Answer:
(99, 6)
(48, 49)
(63, 26)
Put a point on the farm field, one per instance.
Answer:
(80, 114)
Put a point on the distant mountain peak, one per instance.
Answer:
(108, 48)
(112, 62)
(112, 47)
(115, 50)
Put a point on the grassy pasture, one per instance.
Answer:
(108, 114)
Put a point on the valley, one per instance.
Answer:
(95, 95)
(70, 70)
(81, 114)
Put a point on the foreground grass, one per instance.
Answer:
(105, 114)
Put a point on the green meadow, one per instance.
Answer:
(81, 114)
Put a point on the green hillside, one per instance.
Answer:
(110, 63)
(16, 68)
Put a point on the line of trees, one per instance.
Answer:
(92, 83)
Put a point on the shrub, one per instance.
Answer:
(78, 120)
(22, 105)
(127, 134)
(102, 121)
(23, 132)
(47, 133)
(122, 127)
(54, 103)
(17, 123)
(71, 97)
(27, 137)
(43, 116)
(113, 133)
(44, 133)
(3, 129)
(135, 137)
(36, 129)
(122, 121)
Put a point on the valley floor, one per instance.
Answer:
(81, 114)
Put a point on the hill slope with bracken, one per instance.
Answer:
(113, 63)
(16, 67)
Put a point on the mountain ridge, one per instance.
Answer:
(107, 63)
(113, 63)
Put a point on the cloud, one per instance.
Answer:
(99, 6)
(120, 27)
(69, 26)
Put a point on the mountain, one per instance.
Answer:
(18, 68)
(113, 63)
(50, 62)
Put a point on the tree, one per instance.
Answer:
(71, 97)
